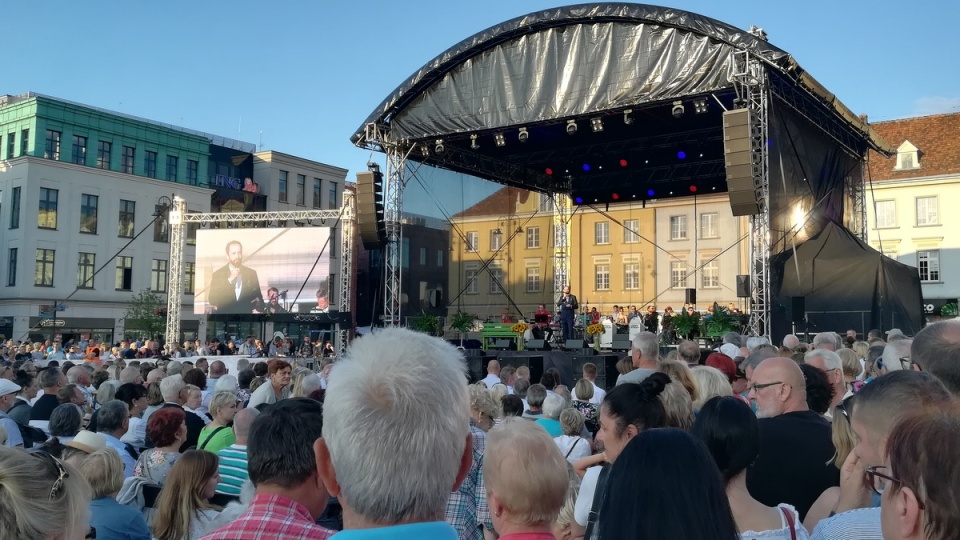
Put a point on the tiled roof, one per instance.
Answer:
(502, 202)
(937, 137)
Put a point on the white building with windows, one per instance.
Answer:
(910, 202)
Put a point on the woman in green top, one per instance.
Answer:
(218, 435)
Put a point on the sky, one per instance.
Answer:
(300, 77)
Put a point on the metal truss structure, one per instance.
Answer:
(347, 274)
(859, 197)
(561, 253)
(179, 220)
(393, 185)
(750, 80)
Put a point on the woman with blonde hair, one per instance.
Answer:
(524, 475)
(572, 443)
(103, 470)
(711, 382)
(680, 372)
(217, 435)
(852, 369)
(183, 510)
(844, 440)
(497, 392)
(298, 375)
(483, 410)
(582, 394)
(41, 497)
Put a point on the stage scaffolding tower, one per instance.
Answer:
(561, 253)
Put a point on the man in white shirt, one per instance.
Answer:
(590, 374)
(493, 374)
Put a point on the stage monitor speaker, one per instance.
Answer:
(504, 345)
(621, 342)
(537, 345)
(691, 296)
(739, 160)
(575, 344)
(743, 286)
(798, 309)
(370, 217)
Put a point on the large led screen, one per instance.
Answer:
(250, 271)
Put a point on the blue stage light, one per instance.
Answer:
(578, 200)
(681, 155)
(586, 166)
(650, 193)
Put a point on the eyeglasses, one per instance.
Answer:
(878, 481)
(844, 409)
(907, 364)
(62, 473)
(758, 387)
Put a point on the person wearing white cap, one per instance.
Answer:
(8, 397)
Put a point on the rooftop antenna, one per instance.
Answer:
(261, 141)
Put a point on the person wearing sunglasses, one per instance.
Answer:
(42, 497)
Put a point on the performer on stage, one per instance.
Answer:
(541, 324)
(650, 319)
(235, 288)
(568, 308)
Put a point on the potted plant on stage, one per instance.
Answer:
(428, 324)
(519, 329)
(462, 323)
(595, 330)
(684, 324)
(721, 322)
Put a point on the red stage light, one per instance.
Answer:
(615, 196)
(623, 163)
(693, 189)
(549, 171)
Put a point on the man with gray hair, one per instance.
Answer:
(79, 376)
(936, 349)
(896, 356)
(536, 395)
(831, 365)
(174, 367)
(174, 395)
(751, 362)
(689, 352)
(376, 394)
(130, 375)
(791, 342)
(732, 338)
(155, 376)
(755, 342)
(113, 419)
(829, 341)
(645, 353)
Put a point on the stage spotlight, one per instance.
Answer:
(627, 119)
(586, 166)
(650, 193)
(523, 135)
(571, 127)
(693, 189)
(499, 139)
(424, 150)
(596, 124)
(549, 171)
(438, 148)
(681, 155)
(623, 163)
(578, 200)
(474, 145)
(700, 105)
(678, 109)
(615, 196)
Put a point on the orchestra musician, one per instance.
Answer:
(541, 324)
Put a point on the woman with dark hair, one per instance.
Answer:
(244, 378)
(626, 411)
(679, 480)
(135, 396)
(65, 422)
(819, 390)
(731, 433)
(276, 387)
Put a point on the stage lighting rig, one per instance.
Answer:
(627, 119)
(523, 135)
(438, 148)
(700, 105)
(571, 127)
(596, 124)
(678, 109)
(474, 145)
(499, 139)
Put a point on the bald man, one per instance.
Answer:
(233, 459)
(795, 463)
(493, 374)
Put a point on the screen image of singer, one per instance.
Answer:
(248, 271)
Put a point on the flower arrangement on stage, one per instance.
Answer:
(595, 329)
(519, 328)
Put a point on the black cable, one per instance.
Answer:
(317, 261)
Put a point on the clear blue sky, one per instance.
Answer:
(307, 73)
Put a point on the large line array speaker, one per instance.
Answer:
(742, 173)
(370, 219)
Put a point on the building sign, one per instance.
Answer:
(52, 322)
(932, 306)
(227, 182)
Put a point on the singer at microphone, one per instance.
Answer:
(568, 308)
(273, 301)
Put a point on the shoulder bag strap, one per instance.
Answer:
(790, 523)
(212, 435)
(574, 445)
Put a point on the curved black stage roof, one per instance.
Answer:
(605, 102)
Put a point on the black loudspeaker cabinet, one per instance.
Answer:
(743, 286)
(798, 309)
(621, 342)
(691, 296)
(575, 344)
(505, 345)
(739, 164)
(370, 216)
(537, 345)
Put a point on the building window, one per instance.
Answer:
(439, 258)
(631, 276)
(173, 162)
(47, 217)
(332, 197)
(533, 237)
(12, 267)
(317, 183)
(678, 274)
(126, 159)
(710, 274)
(124, 281)
(127, 218)
(189, 277)
(601, 232)
(150, 164)
(423, 256)
(470, 276)
(708, 226)
(631, 231)
(546, 202)
(927, 211)
(886, 214)
(24, 142)
(44, 273)
(533, 279)
(86, 265)
(496, 280)
(928, 263)
(104, 150)
(301, 189)
(158, 276)
(282, 191)
(908, 157)
(161, 232)
(11, 144)
(192, 232)
(51, 149)
(496, 239)
(678, 227)
(79, 155)
(15, 209)
(602, 274)
(473, 241)
(88, 213)
(193, 172)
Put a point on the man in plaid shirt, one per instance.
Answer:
(467, 508)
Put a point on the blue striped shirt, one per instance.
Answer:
(862, 524)
(233, 469)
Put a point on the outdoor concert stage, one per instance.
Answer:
(614, 102)
(568, 363)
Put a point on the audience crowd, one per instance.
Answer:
(836, 439)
